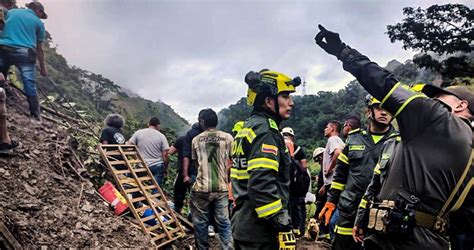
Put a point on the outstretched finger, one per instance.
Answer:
(322, 28)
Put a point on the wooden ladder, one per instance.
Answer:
(142, 193)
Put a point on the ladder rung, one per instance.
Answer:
(153, 228)
(146, 178)
(142, 198)
(141, 209)
(132, 190)
(155, 195)
(158, 237)
(130, 152)
(117, 163)
(139, 170)
(112, 153)
(126, 171)
(148, 218)
(147, 187)
(135, 161)
(128, 180)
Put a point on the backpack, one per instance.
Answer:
(299, 179)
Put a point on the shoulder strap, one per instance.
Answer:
(456, 188)
(297, 150)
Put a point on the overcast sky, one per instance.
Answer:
(195, 54)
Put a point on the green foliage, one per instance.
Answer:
(440, 28)
(443, 29)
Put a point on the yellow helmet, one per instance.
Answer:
(269, 83)
(371, 101)
(238, 126)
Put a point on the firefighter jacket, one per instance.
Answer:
(354, 168)
(260, 179)
(436, 147)
(380, 172)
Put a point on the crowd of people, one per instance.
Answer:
(379, 187)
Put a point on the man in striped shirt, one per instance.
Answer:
(209, 195)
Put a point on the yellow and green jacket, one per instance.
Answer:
(260, 178)
(380, 172)
(354, 169)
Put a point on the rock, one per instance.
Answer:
(2, 170)
(6, 175)
(87, 207)
(31, 190)
(24, 174)
(36, 152)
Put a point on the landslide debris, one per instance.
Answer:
(39, 191)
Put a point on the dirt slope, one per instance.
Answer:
(39, 193)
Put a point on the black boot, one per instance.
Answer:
(34, 104)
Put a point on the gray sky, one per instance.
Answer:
(195, 54)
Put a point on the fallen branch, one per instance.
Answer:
(80, 196)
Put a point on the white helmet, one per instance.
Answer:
(317, 152)
(288, 130)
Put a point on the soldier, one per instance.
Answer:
(353, 173)
(428, 171)
(260, 173)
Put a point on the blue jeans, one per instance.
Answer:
(332, 222)
(202, 204)
(25, 62)
(158, 172)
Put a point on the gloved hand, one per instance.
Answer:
(333, 44)
(327, 212)
(286, 240)
(281, 221)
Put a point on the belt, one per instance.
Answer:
(431, 222)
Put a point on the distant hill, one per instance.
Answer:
(95, 96)
(312, 112)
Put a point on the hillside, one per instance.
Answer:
(312, 112)
(40, 200)
(95, 96)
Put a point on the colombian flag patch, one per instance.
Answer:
(269, 149)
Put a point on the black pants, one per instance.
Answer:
(320, 201)
(298, 213)
(180, 190)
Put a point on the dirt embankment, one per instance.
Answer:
(39, 192)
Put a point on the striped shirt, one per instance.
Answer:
(211, 150)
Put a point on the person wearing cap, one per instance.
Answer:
(431, 169)
(353, 172)
(21, 44)
(260, 174)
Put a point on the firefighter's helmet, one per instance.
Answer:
(268, 83)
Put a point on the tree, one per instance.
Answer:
(446, 30)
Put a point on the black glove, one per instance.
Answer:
(282, 221)
(333, 44)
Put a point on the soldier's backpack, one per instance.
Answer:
(299, 179)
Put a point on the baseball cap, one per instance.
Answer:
(38, 5)
(461, 92)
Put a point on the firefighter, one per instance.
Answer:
(429, 172)
(354, 169)
(261, 169)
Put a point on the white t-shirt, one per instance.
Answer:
(150, 143)
(334, 142)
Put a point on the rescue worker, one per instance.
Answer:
(354, 169)
(380, 172)
(428, 171)
(260, 173)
